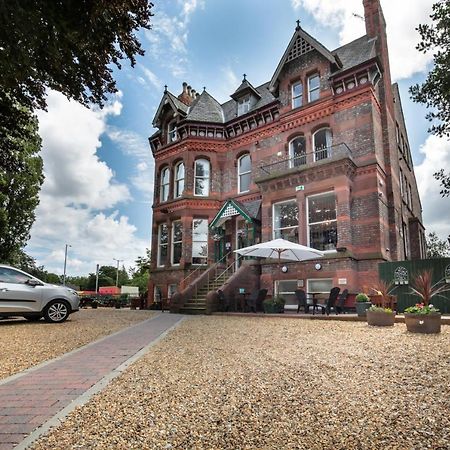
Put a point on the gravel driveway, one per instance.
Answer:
(25, 344)
(251, 383)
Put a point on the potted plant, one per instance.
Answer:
(363, 303)
(274, 305)
(380, 317)
(424, 317)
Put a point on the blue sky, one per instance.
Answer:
(99, 170)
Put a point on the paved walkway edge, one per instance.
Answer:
(58, 418)
(71, 352)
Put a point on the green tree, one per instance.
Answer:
(68, 46)
(141, 273)
(435, 91)
(445, 182)
(437, 248)
(20, 180)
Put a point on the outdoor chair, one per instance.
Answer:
(341, 301)
(302, 302)
(331, 301)
(255, 300)
(224, 304)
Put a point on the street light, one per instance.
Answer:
(117, 274)
(65, 264)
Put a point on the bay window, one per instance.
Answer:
(322, 221)
(285, 220)
(179, 180)
(163, 242)
(177, 242)
(201, 177)
(165, 184)
(199, 241)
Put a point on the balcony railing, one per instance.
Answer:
(305, 160)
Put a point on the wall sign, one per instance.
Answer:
(299, 188)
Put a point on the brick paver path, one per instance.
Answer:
(30, 400)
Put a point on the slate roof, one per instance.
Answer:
(206, 108)
(245, 87)
(250, 208)
(356, 52)
(230, 107)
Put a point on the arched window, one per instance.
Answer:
(179, 180)
(172, 134)
(322, 144)
(297, 152)
(165, 184)
(201, 177)
(244, 173)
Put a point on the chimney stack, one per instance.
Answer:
(193, 93)
(185, 95)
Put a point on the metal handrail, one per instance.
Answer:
(302, 160)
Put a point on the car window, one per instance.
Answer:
(12, 276)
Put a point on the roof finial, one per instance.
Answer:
(298, 25)
(204, 88)
(165, 88)
(244, 77)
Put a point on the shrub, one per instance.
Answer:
(362, 298)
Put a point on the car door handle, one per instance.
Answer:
(4, 290)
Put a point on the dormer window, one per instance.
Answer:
(313, 87)
(172, 134)
(244, 105)
(297, 95)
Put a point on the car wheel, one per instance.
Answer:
(56, 312)
(33, 318)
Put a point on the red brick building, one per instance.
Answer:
(318, 155)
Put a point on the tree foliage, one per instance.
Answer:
(68, 46)
(435, 91)
(20, 180)
(437, 248)
(445, 182)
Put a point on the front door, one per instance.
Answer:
(244, 237)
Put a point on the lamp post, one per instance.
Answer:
(117, 274)
(65, 264)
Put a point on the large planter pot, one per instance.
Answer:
(423, 323)
(273, 309)
(362, 307)
(380, 318)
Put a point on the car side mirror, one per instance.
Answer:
(33, 282)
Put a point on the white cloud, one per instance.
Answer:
(77, 191)
(136, 146)
(169, 35)
(152, 78)
(405, 60)
(437, 155)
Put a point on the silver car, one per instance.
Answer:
(24, 295)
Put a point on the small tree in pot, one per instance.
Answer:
(274, 305)
(381, 316)
(363, 303)
(424, 317)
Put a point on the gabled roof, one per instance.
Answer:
(176, 105)
(206, 108)
(300, 44)
(245, 88)
(232, 207)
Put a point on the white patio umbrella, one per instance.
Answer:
(281, 249)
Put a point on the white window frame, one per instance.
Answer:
(240, 174)
(329, 143)
(173, 242)
(288, 306)
(158, 258)
(172, 132)
(275, 229)
(244, 105)
(302, 158)
(193, 240)
(196, 177)
(309, 291)
(164, 186)
(179, 182)
(296, 97)
(310, 78)
(316, 223)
